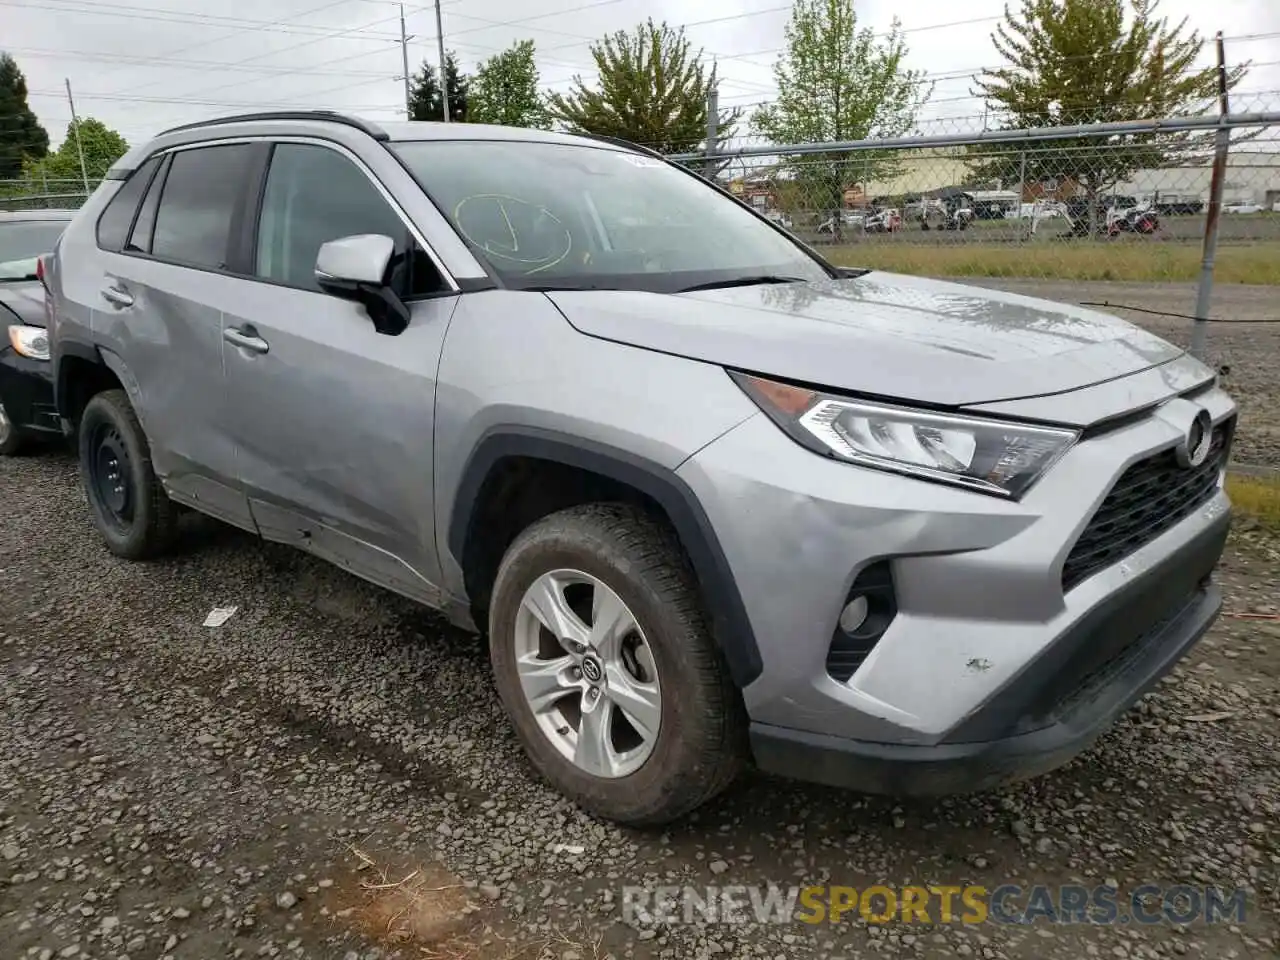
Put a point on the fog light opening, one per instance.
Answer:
(869, 608)
(854, 614)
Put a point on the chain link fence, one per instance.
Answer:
(1117, 215)
(1102, 201)
(43, 194)
(1114, 214)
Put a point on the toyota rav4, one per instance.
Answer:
(713, 500)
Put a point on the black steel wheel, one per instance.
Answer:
(129, 506)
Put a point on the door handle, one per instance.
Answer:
(246, 339)
(117, 295)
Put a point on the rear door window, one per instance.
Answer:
(198, 204)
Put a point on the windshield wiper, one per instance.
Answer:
(562, 287)
(741, 282)
(23, 279)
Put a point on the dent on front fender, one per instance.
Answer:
(797, 529)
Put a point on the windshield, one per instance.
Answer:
(557, 216)
(21, 242)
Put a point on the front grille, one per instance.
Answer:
(1150, 497)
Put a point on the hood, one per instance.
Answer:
(25, 299)
(884, 335)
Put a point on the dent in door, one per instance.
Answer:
(191, 489)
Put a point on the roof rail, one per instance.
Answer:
(329, 116)
(619, 142)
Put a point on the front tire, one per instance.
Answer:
(605, 665)
(12, 439)
(136, 518)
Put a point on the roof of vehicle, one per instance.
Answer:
(297, 121)
(404, 130)
(12, 216)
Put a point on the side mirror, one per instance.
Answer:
(357, 268)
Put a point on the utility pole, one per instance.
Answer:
(75, 126)
(1222, 143)
(404, 57)
(444, 81)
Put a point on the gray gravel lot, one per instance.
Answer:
(168, 789)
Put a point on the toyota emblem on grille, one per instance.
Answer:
(1194, 449)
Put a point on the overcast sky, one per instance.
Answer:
(142, 65)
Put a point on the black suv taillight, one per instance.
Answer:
(867, 612)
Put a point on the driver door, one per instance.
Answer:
(333, 420)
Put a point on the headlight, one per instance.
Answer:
(992, 456)
(32, 342)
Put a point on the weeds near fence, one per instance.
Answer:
(1257, 498)
(1137, 261)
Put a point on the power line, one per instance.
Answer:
(177, 64)
(345, 33)
(96, 8)
(239, 30)
(352, 33)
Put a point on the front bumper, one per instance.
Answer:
(988, 662)
(1065, 701)
(26, 390)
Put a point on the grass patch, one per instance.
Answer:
(1256, 497)
(1137, 260)
(426, 912)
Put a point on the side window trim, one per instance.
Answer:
(156, 183)
(241, 256)
(241, 252)
(414, 233)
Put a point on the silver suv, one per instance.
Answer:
(712, 499)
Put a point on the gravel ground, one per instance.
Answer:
(1250, 349)
(269, 787)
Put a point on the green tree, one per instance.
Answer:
(424, 92)
(835, 83)
(102, 147)
(505, 90)
(653, 90)
(1084, 61)
(22, 138)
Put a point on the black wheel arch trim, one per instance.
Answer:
(730, 625)
(70, 348)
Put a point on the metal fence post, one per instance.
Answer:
(713, 129)
(1222, 141)
(1022, 192)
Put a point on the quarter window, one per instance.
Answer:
(144, 225)
(117, 218)
(198, 204)
(314, 195)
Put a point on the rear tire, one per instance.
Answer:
(620, 560)
(136, 518)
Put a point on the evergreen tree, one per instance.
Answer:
(22, 138)
(424, 92)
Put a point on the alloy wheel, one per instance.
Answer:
(588, 673)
